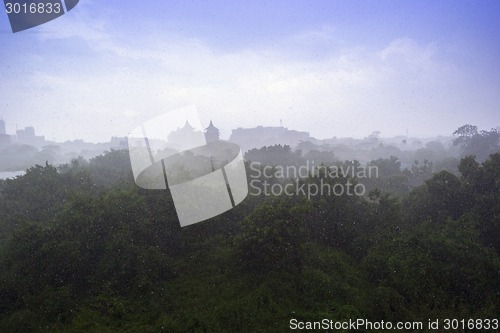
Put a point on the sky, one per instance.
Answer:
(332, 68)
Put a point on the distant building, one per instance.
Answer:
(184, 138)
(27, 136)
(260, 136)
(211, 133)
(2, 127)
(119, 143)
(5, 139)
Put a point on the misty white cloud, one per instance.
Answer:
(83, 23)
(348, 91)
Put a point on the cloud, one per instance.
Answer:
(348, 91)
(409, 50)
(82, 22)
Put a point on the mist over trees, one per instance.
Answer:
(19, 156)
(82, 248)
(478, 143)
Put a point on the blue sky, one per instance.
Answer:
(333, 68)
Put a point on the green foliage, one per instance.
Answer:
(429, 262)
(387, 166)
(275, 155)
(441, 197)
(83, 249)
(482, 188)
(271, 237)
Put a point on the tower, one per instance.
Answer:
(2, 127)
(211, 133)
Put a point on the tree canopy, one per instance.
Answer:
(82, 248)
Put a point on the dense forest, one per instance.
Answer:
(83, 249)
